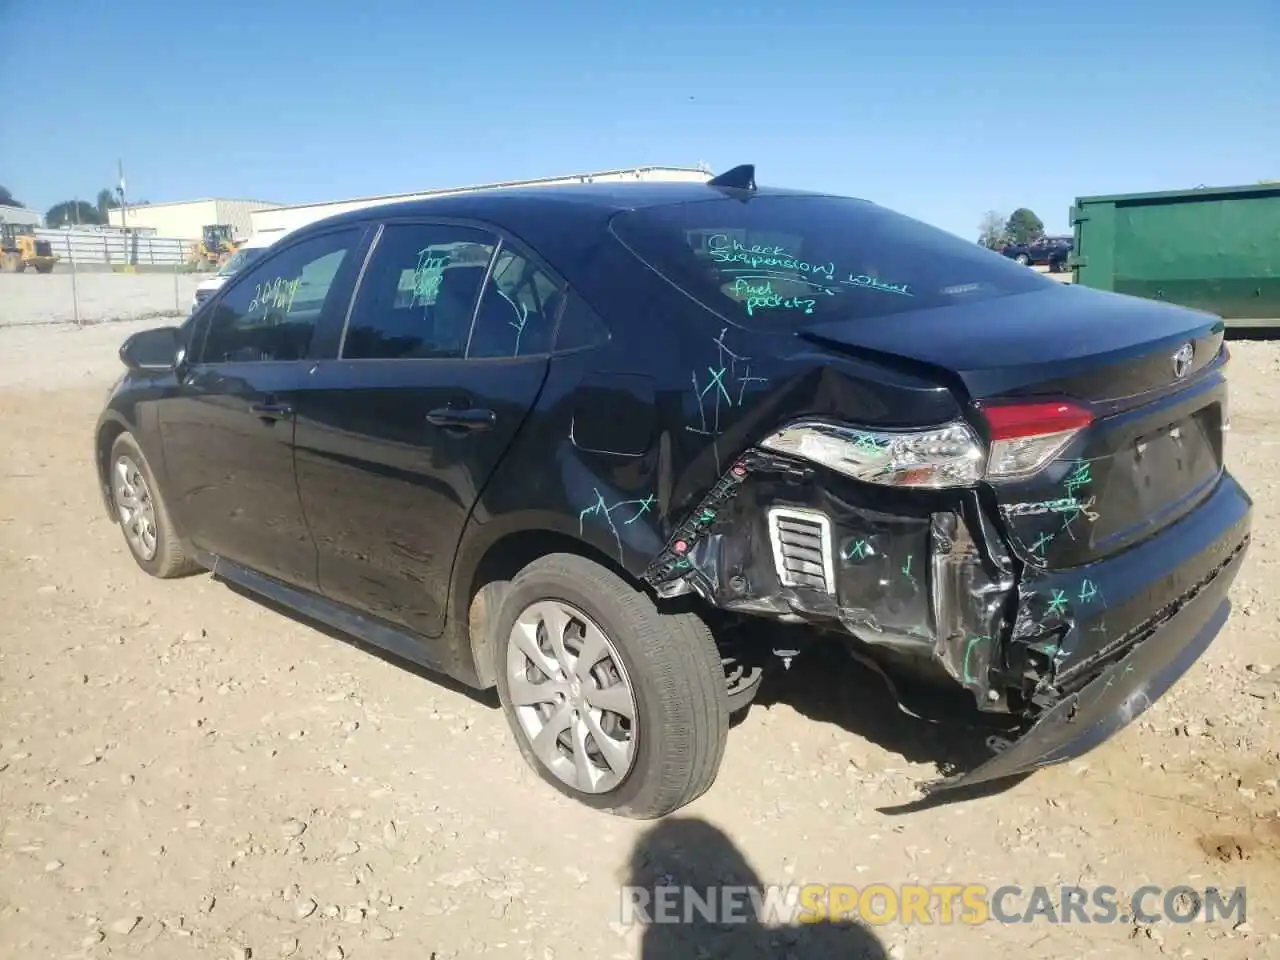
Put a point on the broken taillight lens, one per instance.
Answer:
(1025, 437)
(950, 455)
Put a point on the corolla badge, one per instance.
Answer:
(1182, 360)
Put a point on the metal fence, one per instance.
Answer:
(102, 276)
(115, 248)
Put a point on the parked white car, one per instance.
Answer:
(249, 251)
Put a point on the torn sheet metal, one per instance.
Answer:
(973, 586)
(775, 537)
(1120, 682)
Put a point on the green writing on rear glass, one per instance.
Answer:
(725, 250)
(761, 296)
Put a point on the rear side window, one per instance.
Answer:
(772, 261)
(518, 311)
(418, 295)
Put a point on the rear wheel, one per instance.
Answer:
(612, 702)
(141, 513)
(44, 268)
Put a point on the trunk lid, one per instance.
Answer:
(1067, 339)
(1149, 373)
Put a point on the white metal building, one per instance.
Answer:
(21, 215)
(186, 219)
(292, 217)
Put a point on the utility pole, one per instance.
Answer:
(124, 207)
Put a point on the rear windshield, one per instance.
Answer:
(770, 260)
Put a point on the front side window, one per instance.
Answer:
(518, 311)
(785, 262)
(270, 311)
(418, 295)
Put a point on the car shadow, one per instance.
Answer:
(487, 698)
(826, 684)
(707, 868)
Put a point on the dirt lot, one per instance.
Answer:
(187, 773)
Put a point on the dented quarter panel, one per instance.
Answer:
(917, 573)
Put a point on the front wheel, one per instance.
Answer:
(141, 513)
(1023, 259)
(614, 703)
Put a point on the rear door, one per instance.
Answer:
(227, 432)
(442, 357)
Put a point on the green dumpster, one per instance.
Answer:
(1215, 249)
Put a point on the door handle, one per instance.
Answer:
(272, 411)
(470, 420)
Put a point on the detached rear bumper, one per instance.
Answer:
(1149, 659)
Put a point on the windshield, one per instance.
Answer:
(801, 260)
(241, 259)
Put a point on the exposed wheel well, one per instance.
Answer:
(502, 561)
(106, 437)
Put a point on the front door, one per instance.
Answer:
(397, 438)
(227, 433)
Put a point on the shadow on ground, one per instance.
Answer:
(828, 685)
(704, 866)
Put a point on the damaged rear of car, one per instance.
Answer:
(972, 473)
(595, 445)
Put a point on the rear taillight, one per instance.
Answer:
(950, 455)
(1026, 437)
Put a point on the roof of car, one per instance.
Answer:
(595, 200)
(563, 224)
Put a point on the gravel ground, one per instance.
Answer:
(32, 298)
(186, 773)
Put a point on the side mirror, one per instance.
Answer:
(151, 351)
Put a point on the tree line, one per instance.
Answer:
(996, 231)
(70, 213)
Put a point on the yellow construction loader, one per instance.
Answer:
(20, 249)
(215, 248)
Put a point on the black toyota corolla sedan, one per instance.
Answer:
(568, 441)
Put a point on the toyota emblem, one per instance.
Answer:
(1182, 360)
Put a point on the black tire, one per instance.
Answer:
(676, 677)
(743, 683)
(1023, 259)
(171, 557)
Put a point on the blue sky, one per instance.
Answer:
(940, 110)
